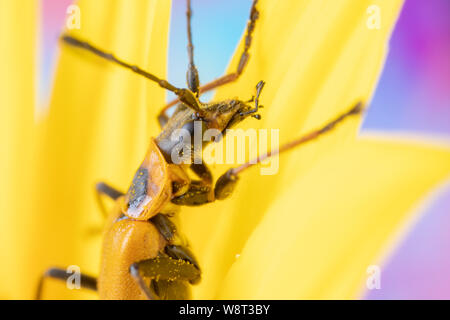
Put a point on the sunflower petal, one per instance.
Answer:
(317, 58)
(98, 127)
(18, 20)
(318, 239)
(305, 48)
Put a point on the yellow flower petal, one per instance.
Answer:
(318, 58)
(18, 20)
(305, 48)
(98, 128)
(318, 239)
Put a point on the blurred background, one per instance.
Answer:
(413, 96)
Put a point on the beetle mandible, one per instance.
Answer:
(143, 254)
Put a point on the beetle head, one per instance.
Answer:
(217, 115)
(226, 114)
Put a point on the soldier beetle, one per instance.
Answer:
(143, 254)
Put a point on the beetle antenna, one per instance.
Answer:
(184, 95)
(243, 60)
(355, 110)
(192, 77)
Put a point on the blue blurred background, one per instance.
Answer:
(412, 96)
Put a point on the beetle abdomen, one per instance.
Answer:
(126, 242)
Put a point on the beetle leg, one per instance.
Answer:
(102, 188)
(197, 194)
(86, 281)
(200, 191)
(162, 268)
(231, 77)
(171, 290)
(164, 225)
(183, 253)
(225, 185)
(162, 120)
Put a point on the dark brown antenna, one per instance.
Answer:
(356, 109)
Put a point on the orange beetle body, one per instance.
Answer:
(129, 236)
(125, 241)
(151, 188)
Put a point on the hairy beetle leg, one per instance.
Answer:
(200, 191)
(183, 253)
(162, 120)
(162, 268)
(225, 185)
(103, 188)
(197, 194)
(165, 227)
(86, 282)
(171, 290)
(202, 171)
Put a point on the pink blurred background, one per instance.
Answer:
(412, 96)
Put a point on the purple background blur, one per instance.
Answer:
(413, 95)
